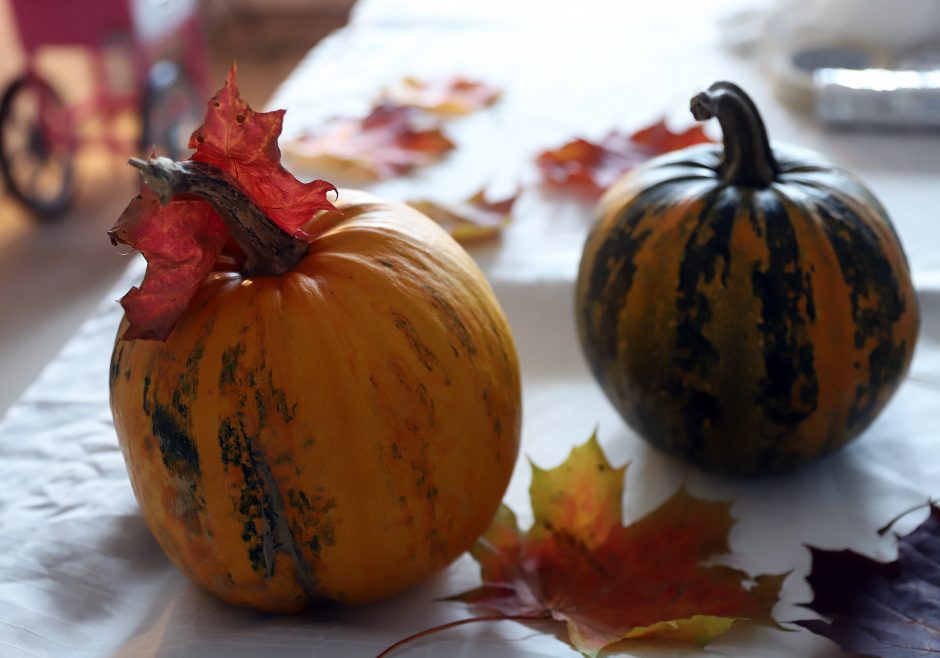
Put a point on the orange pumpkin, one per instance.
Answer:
(340, 431)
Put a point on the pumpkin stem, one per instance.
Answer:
(749, 159)
(269, 249)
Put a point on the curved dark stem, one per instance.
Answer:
(269, 250)
(461, 622)
(749, 159)
(890, 524)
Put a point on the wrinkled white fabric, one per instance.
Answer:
(80, 574)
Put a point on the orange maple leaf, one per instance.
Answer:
(579, 564)
(389, 141)
(473, 220)
(453, 96)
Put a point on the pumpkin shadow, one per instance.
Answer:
(91, 580)
(776, 518)
(778, 515)
(835, 503)
(423, 607)
(185, 621)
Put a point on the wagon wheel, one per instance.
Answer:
(171, 111)
(37, 147)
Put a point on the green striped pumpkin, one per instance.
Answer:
(747, 309)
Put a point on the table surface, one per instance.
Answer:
(80, 574)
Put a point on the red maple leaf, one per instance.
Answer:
(183, 240)
(579, 565)
(590, 167)
(243, 143)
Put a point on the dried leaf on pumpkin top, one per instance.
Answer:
(474, 220)
(386, 143)
(885, 609)
(590, 167)
(183, 240)
(243, 143)
(453, 96)
(578, 564)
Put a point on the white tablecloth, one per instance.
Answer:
(80, 574)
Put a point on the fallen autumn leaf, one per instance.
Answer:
(884, 609)
(385, 143)
(475, 219)
(454, 96)
(589, 168)
(579, 565)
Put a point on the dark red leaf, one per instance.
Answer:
(885, 609)
(243, 143)
(181, 242)
(590, 167)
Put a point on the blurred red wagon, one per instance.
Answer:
(161, 42)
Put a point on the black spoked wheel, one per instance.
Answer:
(37, 147)
(170, 113)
